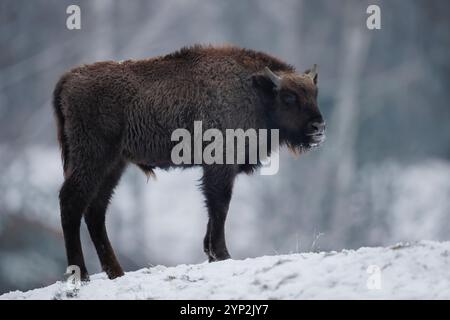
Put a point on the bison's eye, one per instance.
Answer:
(289, 98)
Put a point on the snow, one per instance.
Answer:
(404, 271)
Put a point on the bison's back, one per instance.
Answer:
(213, 88)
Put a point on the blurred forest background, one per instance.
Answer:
(382, 176)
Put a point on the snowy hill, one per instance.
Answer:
(411, 271)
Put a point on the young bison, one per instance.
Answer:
(110, 114)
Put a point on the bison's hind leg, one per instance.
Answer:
(74, 197)
(92, 167)
(95, 221)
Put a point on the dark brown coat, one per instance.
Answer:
(113, 113)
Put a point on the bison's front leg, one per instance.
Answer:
(217, 185)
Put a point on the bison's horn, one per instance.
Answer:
(313, 72)
(273, 77)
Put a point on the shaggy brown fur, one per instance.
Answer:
(110, 114)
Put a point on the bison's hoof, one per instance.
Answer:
(114, 273)
(212, 257)
(84, 277)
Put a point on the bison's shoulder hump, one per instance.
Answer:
(247, 57)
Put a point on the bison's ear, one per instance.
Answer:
(267, 80)
(313, 73)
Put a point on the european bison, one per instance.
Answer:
(110, 114)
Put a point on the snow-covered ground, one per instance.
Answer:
(405, 271)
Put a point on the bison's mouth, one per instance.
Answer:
(316, 139)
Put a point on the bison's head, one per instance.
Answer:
(291, 104)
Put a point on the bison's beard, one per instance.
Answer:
(300, 143)
(297, 149)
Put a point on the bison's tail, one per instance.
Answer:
(62, 140)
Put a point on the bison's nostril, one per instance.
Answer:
(318, 127)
